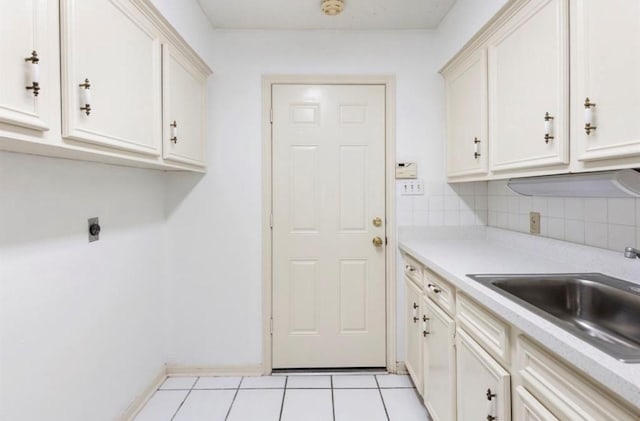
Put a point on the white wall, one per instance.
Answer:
(81, 331)
(83, 326)
(214, 223)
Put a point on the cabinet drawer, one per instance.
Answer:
(563, 391)
(528, 408)
(491, 332)
(440, 291)
(413, 270)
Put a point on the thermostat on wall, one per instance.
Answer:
(406, 170)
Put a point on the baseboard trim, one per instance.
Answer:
(401, 368)
(230, 370)
(139, 402)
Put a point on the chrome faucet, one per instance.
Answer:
(631, 253)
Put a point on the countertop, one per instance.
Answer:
(454, 252)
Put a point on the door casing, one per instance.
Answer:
(390, 158)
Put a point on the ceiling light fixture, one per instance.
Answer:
(332, 7)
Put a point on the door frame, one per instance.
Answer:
(267, 206)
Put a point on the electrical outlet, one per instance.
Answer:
(534, 222)
(411, 187)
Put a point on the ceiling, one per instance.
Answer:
(306, 14)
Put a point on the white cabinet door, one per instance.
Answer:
(108, 43)
(467, 143)
(24, 29)
(413, 359)
(528, 77)
(483, 386)
(604, 68)
(439, 362)
(184, 104)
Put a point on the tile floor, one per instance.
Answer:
(305, 397)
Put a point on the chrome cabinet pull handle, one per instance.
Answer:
(476, 148)
(86, 97)
(34, 73)
(548, 129)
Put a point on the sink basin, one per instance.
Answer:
(601, 310)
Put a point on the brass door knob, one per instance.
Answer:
(377, 241)
(377, 222)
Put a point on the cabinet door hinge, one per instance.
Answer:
(386, 241)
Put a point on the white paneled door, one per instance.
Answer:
(328, 226)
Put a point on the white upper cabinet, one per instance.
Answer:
(184, 104)
(25, 32)
(466, 88)
(605, 69)
(111, 76)
(528, 78)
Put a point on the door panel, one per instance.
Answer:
(478, 374)
(467, 117)
(24, 22)
(606, 72)
(108, 43)
(439, 357)
(528, 77)
(413, 333)
(328, 186)
(184, 102)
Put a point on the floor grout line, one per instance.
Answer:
(234, 399)
(382, 399)
(185, 398)
(284, 393)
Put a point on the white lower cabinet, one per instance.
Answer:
(483, 386)
(439, 362)
(460, 356)
(528, 408)
(413, 360)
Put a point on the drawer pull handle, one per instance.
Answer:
(173, 132)
(476, 148)
(415, 313)
(425, 332)
(434, 288)
(34, 73)
(548, 128)
(490, 406)
(86, 97)
(588, 116)
(410, 268)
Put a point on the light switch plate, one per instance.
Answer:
(406, 170)
(411, 187)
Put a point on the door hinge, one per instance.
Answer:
(271, 115)
(271, 326)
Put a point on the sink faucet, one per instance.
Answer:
(631, 253)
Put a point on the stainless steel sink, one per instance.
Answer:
(601, 310)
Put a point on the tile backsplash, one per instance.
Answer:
(607, 223)
(444, 204)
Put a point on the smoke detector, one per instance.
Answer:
(332, 7)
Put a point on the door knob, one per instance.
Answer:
(377, 222)
(377, 241)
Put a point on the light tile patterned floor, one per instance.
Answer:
(321, 397)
